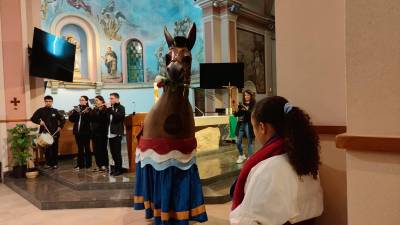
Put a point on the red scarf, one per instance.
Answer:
(272, 148)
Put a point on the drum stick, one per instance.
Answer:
(45, 127)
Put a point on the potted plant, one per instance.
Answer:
(20, 140)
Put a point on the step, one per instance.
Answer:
(46, 193)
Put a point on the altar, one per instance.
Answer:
(211, 132)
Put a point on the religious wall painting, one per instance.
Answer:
(78, 52)
(80, 4)
(134, 56)
(111, 20)
(110, 60)
(76, 36)
(118, 20)
(44, 8)
(160, 56)
(251, 52)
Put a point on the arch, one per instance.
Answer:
(78, 34)
(92, 37)
(124, 58)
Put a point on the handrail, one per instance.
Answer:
(368, 143)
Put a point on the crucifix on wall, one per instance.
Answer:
(15, 101)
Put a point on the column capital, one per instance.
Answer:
(220, 7)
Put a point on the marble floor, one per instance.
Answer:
(15, 210)
(65, 189)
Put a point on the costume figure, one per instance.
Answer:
(167, 180)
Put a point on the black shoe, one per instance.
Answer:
(116, 173)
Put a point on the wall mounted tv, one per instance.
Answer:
(51, 57)
(219, 75)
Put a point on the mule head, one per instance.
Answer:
(179, 58)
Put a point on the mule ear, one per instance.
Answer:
(168, 38)
(191, 37)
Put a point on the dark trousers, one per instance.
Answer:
(100, 150)
(51, 153)
(84, 152)
(115, 148)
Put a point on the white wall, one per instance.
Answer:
(65, 99)
(373, 109)
(310, 54)
(310, 42)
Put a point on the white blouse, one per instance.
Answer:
(275, 194)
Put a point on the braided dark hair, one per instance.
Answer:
(301, 140)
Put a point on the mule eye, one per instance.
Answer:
(167, 59)
(187, 59)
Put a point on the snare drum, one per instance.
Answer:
(44, 140)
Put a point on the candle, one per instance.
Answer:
(155, 92)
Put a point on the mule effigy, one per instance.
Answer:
(168, 185)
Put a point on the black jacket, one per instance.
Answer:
(99, 120)
(244, 116)
(118, 117)
(84, 127)
(51, 117)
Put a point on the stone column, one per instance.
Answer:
(220, 45)
(228, 35)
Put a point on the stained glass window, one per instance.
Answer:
(134, 53)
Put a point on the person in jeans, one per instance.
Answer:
(244, 124)
(99, 119)
(50, 120)
(80, 116)
(116, 114)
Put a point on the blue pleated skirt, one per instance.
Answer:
(171, 196)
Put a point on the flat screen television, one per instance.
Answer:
(219, 75)
(51, 57)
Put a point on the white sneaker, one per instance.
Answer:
(241, 159)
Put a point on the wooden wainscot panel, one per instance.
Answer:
(368, 143)
(133, 125)
(67, 144)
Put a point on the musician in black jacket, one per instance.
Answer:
(50, 120)
(82, 131)
(116, 114)
(99, 119)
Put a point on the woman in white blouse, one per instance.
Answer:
(279, 184)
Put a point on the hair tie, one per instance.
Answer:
(287, 108)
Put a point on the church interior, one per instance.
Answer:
(107, 108)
